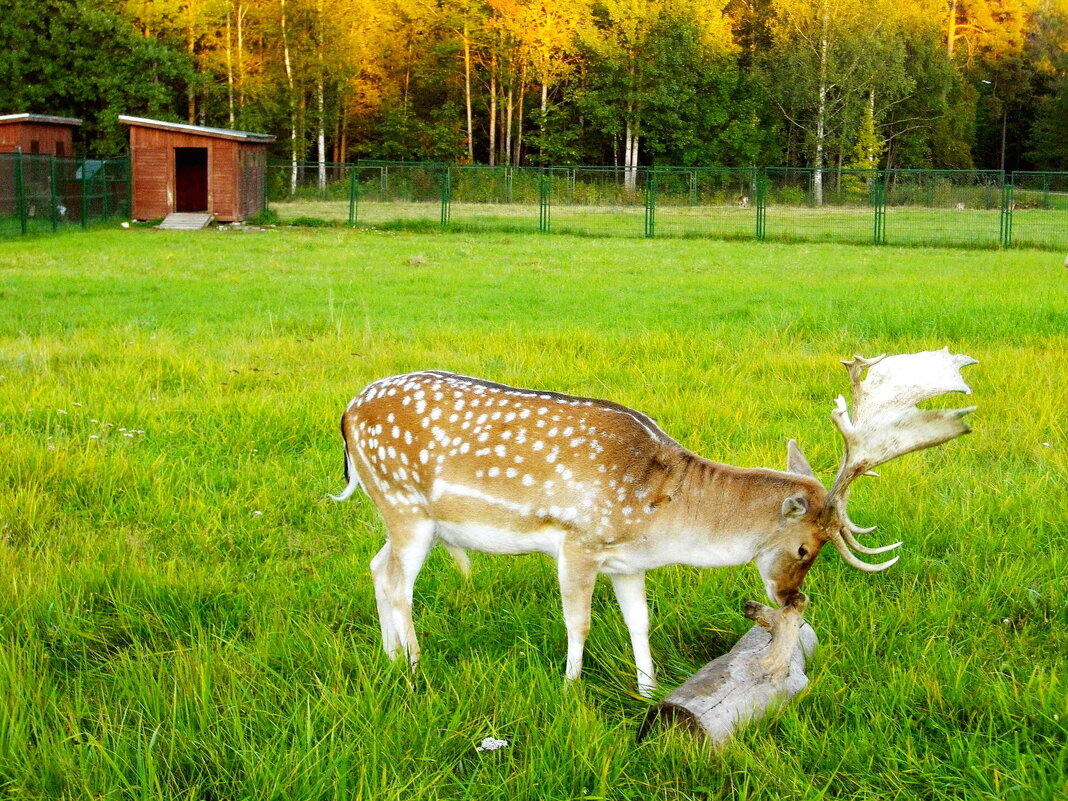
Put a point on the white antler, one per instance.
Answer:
(886, 423)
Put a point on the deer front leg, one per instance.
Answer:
(578, 572)
(630, 593)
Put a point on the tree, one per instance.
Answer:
(830, 56)
(83, 59)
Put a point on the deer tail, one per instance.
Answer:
(352, 480)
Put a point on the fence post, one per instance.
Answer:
(53, 196)
(446, 193)
(85, 195)
(761, 206)
(20, 191)
(544, 200)
(878, 196)
(650, 203)
(107, 193)
(352, 196)
(508, 185)
(1007, 205)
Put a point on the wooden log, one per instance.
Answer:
(766, 668)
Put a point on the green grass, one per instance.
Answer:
(904, 225)
(184, 615)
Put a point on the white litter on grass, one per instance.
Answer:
(491, 744)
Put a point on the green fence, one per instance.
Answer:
(1039, 209)
(955, 208)
(46, 193)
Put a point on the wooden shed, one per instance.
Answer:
(189, 168)
(38, 133)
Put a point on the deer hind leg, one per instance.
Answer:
(577, 572)
(380, 575)
(395, 569)
(630, 593)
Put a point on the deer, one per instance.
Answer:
(475, 465)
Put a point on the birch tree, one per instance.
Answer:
(827, 53)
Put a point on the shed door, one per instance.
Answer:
(191, 179)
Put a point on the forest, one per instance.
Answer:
(955, 84)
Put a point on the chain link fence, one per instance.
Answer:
(953, 208)
(1038, 204)
(40, 193)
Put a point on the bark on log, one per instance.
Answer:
(766, 668)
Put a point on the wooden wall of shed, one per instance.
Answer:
(15, 135)
(252, 165)
(153, 172)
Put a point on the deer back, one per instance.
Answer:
(465, 451)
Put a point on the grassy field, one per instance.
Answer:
(184, 614)
(905, 225)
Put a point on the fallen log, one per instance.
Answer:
(765, 668)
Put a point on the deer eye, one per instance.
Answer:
(802, 552)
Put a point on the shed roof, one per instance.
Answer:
(197, 130)
(46, 119)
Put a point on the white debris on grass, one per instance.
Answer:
(491, 744)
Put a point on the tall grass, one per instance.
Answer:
(185, 616)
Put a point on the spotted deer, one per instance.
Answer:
(476, 465)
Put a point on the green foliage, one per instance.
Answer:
(402, 135)
(264, 217)
(1049, 136)
(83, 59)
(705, 82)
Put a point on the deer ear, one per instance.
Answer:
(795, 507)
(796, 461)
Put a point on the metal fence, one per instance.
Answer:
(955, 208)
(1038, 206)
(41, 193)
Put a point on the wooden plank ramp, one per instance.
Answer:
(185, 221)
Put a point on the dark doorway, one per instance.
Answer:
(191, 179)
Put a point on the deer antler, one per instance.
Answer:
(886, 423)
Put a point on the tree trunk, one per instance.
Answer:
(240, 81)
(467, 96)
(407, 76)
(191, 41)
(508, 125)
(630, 136)
(229, 71)
(320, 96)
(493, 112)
(762, 670)
(821, 109)
(951, 29)
(630, 149)
(519, 116)
(321, 132)
(292, 104)
(541, 122)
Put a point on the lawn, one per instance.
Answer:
(904, 225)
(185, 615)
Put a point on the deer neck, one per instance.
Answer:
(719, 515)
